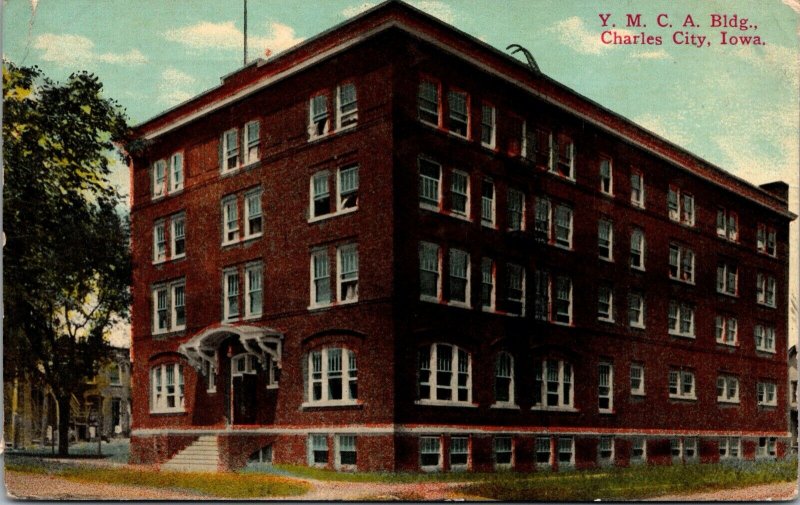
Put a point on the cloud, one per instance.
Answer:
(652, 55)
(76, 50)
(276, 37)
(572, 33)
(355, 10)
(663, 127)
(433, 7)
(175, 87)
(793, 4)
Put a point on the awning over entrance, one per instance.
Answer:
(263, 343)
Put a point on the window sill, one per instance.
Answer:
(231, 171)
(606, 194)
(460, 305)
(491, 226)
(640, 395)
(432, 208)
(637, 326)
(332, 215)
(766, 305)
(683, 398)
(682, 335)
(637, 205)
(732, 295)
(491, 147)
(489, 310)
(606, 412)
(728, 402)
(637, 269)
(178, 257)
(164, 413)
(445, 403)
(768, 406)
(555, 409)
(605, 320)
(429, 299)
(458, 135)
(504, 406)
(607, 260)
(728, 344)
(683, 281)
(251, 317)
(331, 134)
(562, 246)
(458, 215)
(230, 243)
(159, 262)
(349, 404)
(250, 238)
(559, 323)
(766, 351)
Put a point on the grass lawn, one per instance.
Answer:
(116, 450)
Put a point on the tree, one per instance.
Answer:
(66, 257)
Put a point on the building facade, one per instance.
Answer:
(395, 248)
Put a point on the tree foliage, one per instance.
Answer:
(66, 256)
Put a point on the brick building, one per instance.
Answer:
(394, 247)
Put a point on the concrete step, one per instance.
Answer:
(200, 456)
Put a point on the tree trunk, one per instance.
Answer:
(63, 425)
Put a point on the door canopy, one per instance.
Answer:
(263, 343)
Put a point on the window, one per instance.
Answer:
(730, 448)
(459, 453)
(428, 102)
(504, 379)
(347, 188)
(430, 268)
(487, 203)
(636, 313)
(562, 312)
(317, 450)
(637, 189)
(458, 119)
(487, 284)
(681, 263)
(542, 228)
(541, 295)
(346, 454)
(254, 221)
(488, 128)
(459, 194)
(320, 279)
(529, 143)
(346, 106)
(637, 249)
(320, 195)
(766, 447)
(543, 452)
(565, 151)
(681, 384)
(605, 304)
(637, 379)
(459, 277)
(253, 137)
(231, 296)
(516, 210)
(253, 292)
(681, 319)
(727, 224)
(169, 307)
(178, 236)
(430, 175)
(638, 450)
(346, 192)
(766, 240)
(566, 451)
(605, 239)
(727, 389)
(430, 453)
(680, 206)
(605, 450)
(230, 150)
(606, 177)
(166, 388)
(726, 330)
(230, 218)
(553, 386)
(176, 172)
(676, 449)
(727, 279)
(159, 172)
(332, 376)
(445, 375)
(765, 338)
(765, 286)
(347, 267)
(159, 242)
(690, 448)
(605, 391)
(515, 290)
(318, 123)
(563, 226)
(503, 452)
(766, 394)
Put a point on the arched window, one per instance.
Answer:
(504, 379)
(332, 376)
(445, 374)
(166, 388)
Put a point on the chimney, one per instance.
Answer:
(778, 188)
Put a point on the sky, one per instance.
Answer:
(735, 105)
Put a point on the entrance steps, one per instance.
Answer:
(201, 456)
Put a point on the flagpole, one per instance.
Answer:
(245, 33)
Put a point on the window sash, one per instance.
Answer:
(429, 267)
(460, 193)
(488, 125)
(321, 278)
(430, 175)
(428, 102)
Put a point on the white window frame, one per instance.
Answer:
(250, 213)
(605, 243)
(159, 389)
(606, 179)
(569, 442)
(160, 241)
(454, 117)
(682, 262)
(315, 116)
(322, 255)
(488, 204)
(543, 221)
(499, 447)
(230, 220)
(727, 389)
(680, 205)
(676, 319)
(159, 179)
(767, 394)
(640, 390)
(429, 247)
(562, 379)
(766, 240)
(491, 125)
(159, 307)
(730, 448)
(724, 272)
(455, 274)
(539, 445)
(638, 459)
(433, 370)
(637, 200)
(251, 144)
(558, 239)
(504, 369)
(176, 173)
(347, 373)
(174, 221)
(605, 297)
(766, 447)
(314, 195)
(342, 442)
(638, 250)
(726, 327)
(423, 102)
(690, 445)
(556, 162)
(427, 446)
(251, 272)
(346, 119)
(488, 279)
(676, 449)
(764, 337)
(515, 282)
(317, 442)
(173, 290)
(429, 185)
(169, 308)
(228, 294)
(766, 287)
(605, 391)
(229, 152)
(456, 189)
(349, 277)
(559, 316)
(640, 306)
(727, 224)
(460, 445)
(610, 450)
(340, 193)
(516, 209)
(681, 378)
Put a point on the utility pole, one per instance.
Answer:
(245, 33)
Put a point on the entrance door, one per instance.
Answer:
(244, 370)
